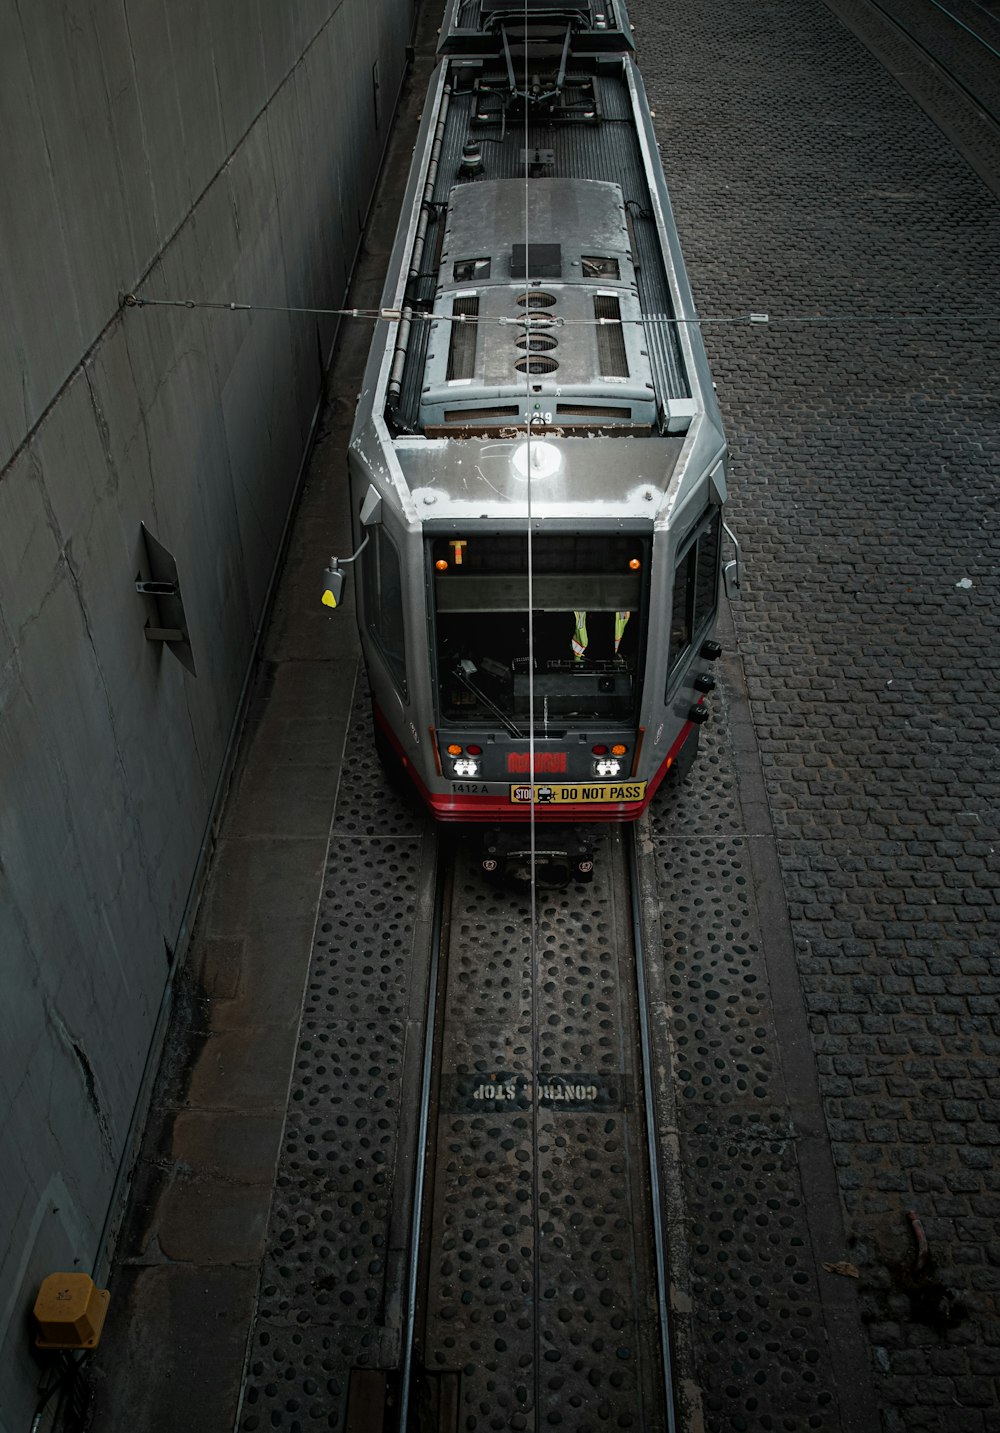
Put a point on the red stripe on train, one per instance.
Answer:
(448, 806)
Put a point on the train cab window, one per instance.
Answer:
(383, 591)
(588, 628)
(695, 593)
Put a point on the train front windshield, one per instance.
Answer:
(588, 604)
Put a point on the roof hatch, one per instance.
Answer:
(559, 315)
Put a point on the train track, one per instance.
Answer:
(960, 37)
(537, 1282)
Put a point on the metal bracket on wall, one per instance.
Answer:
(163, 587)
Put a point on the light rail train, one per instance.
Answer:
(537, 366)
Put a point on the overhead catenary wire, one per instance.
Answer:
(536, 1361)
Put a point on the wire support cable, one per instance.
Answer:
(394, 315)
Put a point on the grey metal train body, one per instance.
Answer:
(542, 369)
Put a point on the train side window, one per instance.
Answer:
(706, 592)
(384, 603)
(695, 594)
(680, 608)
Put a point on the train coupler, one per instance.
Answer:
(562, 854)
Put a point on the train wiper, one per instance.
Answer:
(463, 672)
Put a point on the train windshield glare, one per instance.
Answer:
(588, 602)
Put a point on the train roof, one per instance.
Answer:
(539, 281)
(578, 327)
(471, 26)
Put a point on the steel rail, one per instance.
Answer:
(420, 1153)
(652, 1144)
(888, 13)
(968, 28)
(424, 1158)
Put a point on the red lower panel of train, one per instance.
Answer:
(450, 806)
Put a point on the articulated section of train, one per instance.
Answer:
(543, 372)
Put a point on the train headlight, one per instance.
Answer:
(466, 766)
(607, 766)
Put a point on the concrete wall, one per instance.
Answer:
(211, 149)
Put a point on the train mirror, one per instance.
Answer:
(333, 585)
(333, 576)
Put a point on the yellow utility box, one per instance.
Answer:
(70, 1312)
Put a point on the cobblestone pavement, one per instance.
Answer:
(805, 181)
(763, 1346)
(333, 1270)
